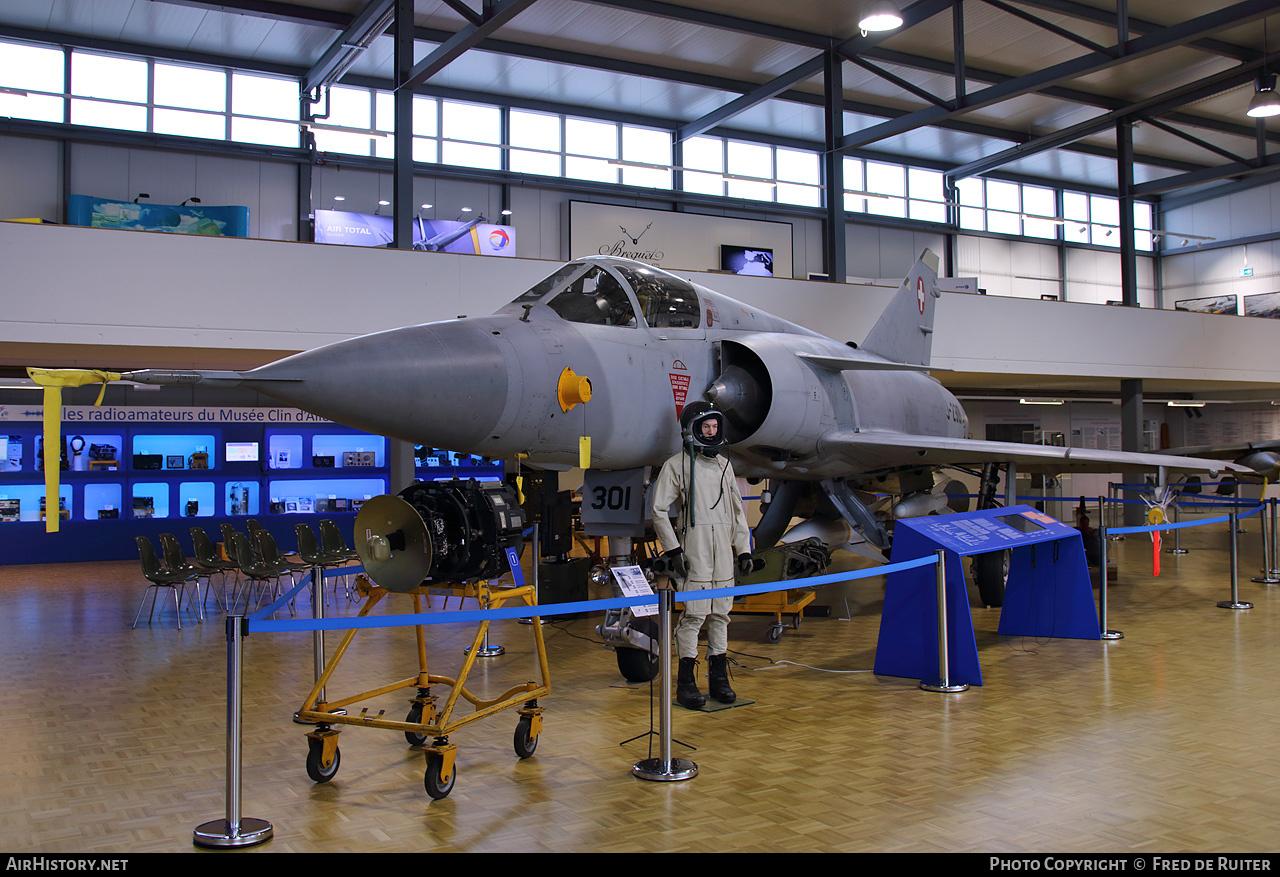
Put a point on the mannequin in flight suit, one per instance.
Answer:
(713, 541)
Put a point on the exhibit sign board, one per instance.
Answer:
(229, 221)
(437, 235)
(671, 240)
(162, 414)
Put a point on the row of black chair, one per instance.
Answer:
(254, 558)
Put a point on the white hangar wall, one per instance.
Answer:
(1215, 270)
(83, 286)
(32, 185)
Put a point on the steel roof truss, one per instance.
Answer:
(471, 35)
(349, 45)
(1170, 37)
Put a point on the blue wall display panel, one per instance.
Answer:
(132, 472)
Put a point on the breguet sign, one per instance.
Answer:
(671, 240)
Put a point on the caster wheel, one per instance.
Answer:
(436, 787)
(775, 633)
(525, 743)
(318, 772)
(415, 716)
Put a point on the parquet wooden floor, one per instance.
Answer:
(114, 739)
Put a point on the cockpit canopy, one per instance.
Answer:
(608, 292)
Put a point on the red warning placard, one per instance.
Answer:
(679, 390)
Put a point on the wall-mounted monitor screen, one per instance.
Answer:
(756, 261)
(242, 452)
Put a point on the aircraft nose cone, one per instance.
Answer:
(439, 384)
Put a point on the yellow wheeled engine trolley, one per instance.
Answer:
(788, 561)
(399, 539)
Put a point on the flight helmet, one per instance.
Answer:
(696, 424)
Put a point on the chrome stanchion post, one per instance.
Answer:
(1268, 576)
(317, 641)
(1234, 602)
(943, 683)
(1177, 531)
(234, 830)
(664, 768)
(1113, 506)
(1275, 561)
(1103, 631)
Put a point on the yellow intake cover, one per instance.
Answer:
(572, 389)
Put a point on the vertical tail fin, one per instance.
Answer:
(904, 332)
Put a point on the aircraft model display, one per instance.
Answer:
(849, 435)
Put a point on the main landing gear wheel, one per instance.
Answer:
(525, 743)
(639, 665)
(318, 772)
(436, 787)
(989, 573)
(415, 717)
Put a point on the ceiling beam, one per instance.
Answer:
(720, 21)
(1269, 164)
(1170, 37)
(1107, 18)
(1059, 92)
(1153, 106)
(866, 46)
(340, 54)
(572, 59)
(276, 11)
(467, 38)
(760, 94)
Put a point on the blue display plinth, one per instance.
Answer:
(1048, 593)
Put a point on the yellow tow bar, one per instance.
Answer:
(53, 380)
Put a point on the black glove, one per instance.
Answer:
(748, 564)
(676, 567)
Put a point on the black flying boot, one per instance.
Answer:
(687, 693)
(718, 675)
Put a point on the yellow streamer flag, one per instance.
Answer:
(53, 380)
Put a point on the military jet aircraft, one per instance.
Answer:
(836, 427)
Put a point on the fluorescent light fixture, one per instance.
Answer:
(1034, 401)
(880, 15)
(506, 213)
(339, 197)
(426, 206)
(1184, 403)
(384, 203)
(342, 129)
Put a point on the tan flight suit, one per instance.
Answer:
(711, 545)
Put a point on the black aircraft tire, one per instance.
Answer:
(638, 665)
(989, 573)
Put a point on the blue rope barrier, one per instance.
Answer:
(1153, 527)
(306, 580)
(258, 623)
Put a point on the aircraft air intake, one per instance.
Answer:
(743, 398)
